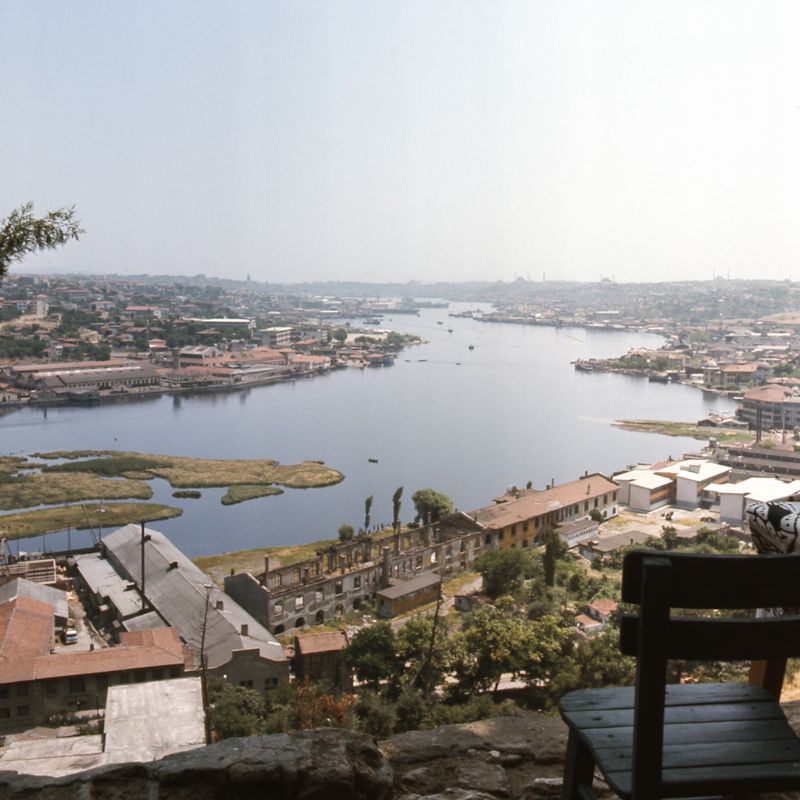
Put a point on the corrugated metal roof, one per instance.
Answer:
(19, 587)
(402, 588)
(183, 595)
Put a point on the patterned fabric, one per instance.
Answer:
(774, 528)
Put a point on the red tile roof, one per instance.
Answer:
(536, 503)
(26, 636)
(309, 643)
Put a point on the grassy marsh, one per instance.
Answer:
(47, 489)
(248, 491)
(48, 520)
(722, 435)
(183, 472)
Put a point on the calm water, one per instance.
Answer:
(467, 422)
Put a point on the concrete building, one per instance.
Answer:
(276, 336)
(730, 374)
(692, 476)
(198, 356)
(174, 591)
(643, 489)
(581, 530)
(35, 681)
(733, 497)
(770, 407)
(404, 596)
(340, 578)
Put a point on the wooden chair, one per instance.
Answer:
(691, 740)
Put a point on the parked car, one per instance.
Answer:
(69, 636)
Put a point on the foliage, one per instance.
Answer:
(554, 549)
(503, 570)
(371, 653)
(596, 661)
(377, 715)
(367, 511)
(72, 321)
(422, 657)
(430, 503)
(340, 334)
(234, 710)
(189, 494)
(491, 643)
(12, 348)
(346, 532)
(22, 234)
(396, 501)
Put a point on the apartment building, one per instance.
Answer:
(520, 518)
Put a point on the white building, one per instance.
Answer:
(643, 489)
(276, 336)
(692, 477)
(733, 497)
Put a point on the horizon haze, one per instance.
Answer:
(375, 142)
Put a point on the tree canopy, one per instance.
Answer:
(371, 653)
(430, 503)
(22, 234)
(502, 570)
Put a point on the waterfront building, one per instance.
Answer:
(520, 518)
(276, 336)
(770, 407)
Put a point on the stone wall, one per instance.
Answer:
(507, 758)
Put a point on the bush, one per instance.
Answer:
(377, 716)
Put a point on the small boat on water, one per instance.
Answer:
(449, 330)
(439, 322)
(372, 460)
(472, 347)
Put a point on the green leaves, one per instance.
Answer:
(22, 234)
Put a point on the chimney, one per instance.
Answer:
(244, 629)
(266, 569)
(385, 568)
(219, 605)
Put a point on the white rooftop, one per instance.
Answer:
(762, 490)
(136, 727)
(696, 469)
(646, 478)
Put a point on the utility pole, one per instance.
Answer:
(204, 664)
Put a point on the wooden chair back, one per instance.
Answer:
(660, 582)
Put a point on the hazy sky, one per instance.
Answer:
(428, 140)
